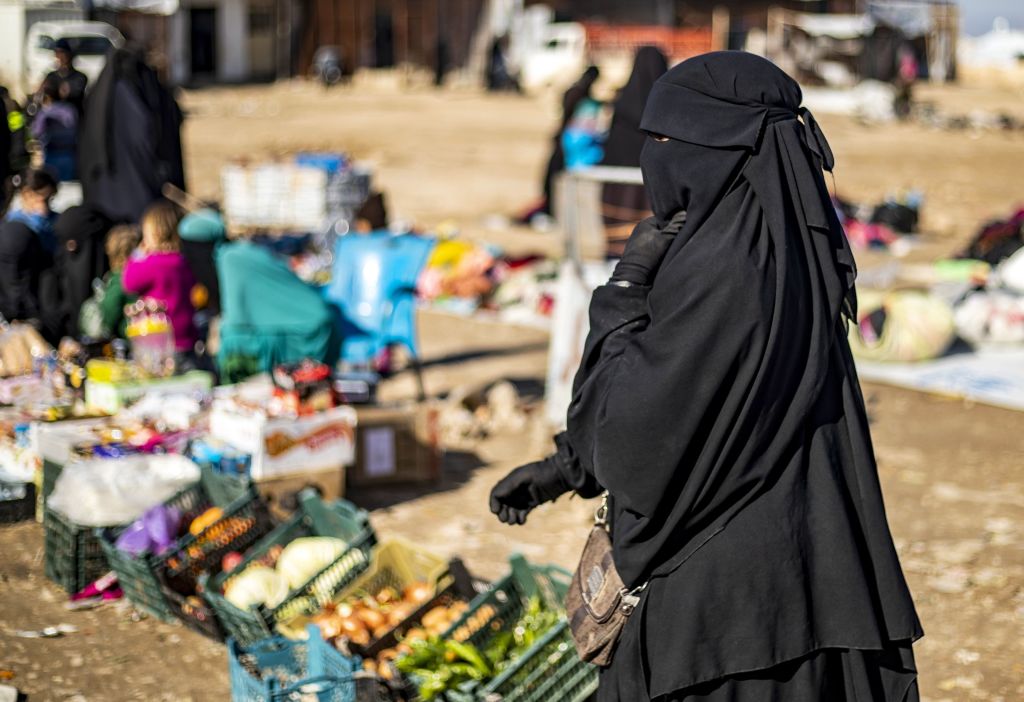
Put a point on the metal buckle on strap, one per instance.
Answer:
(601, 513)
(630, 598)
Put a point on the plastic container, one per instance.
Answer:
(551, 669)
(74, 556)
(17, 502)
(279, 670)
(165, 585)
(398, 564)
(314, 517)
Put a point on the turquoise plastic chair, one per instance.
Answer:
(373, 285)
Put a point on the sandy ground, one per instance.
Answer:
(951, 471)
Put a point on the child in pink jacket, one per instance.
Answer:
(160, 272)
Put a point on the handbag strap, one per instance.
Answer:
(630, 598)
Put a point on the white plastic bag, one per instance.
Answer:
(108, 492)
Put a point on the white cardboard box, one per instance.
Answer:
(285, 445)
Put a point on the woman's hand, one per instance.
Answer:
(514, 496)
(645, 250)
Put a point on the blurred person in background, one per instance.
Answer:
(718, 405)
(71, 82)
(130, 144)
(55, 127)
(19, 157)
(80, 259)
(623, 205)
(571, 100)
(6, 139)
(268, 315)
(499, 72)
(29, 288)
(906, 75)
(121, 241)
(158, 271)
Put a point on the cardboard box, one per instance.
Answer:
(279, 490)
(110, 397)
(396, 444)
(287, 445)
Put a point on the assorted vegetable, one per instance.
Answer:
(267, 581)
(439, 665)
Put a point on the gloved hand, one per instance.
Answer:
(515, 495)
(645, 250)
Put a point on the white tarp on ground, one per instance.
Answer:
(912, 17)
(993, 376)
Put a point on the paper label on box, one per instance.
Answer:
(379, 447)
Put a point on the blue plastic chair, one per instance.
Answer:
(373, 285)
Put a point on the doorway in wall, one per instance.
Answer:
(203, 41)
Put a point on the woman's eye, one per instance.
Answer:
(659, 137)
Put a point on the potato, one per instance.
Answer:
(435, 618)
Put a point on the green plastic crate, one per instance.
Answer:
(73, 555)
(314, 517)
(551, 669)
(158, 583)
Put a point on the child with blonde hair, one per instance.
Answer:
(121, 241)
(158, 271)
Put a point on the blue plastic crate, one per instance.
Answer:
(280, 670)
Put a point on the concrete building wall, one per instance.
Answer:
(177, 47)
(12, 41)
(233, 40)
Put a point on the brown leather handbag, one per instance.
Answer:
(599, 603)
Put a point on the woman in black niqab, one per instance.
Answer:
(718, 404)
(622, 204)
(131, 139)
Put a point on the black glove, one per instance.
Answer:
(645, 250)
(515, 495)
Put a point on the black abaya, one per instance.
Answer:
(721, 410)
(81, 258)
(131, 141)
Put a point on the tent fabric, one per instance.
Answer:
(913, 19)
(834, 26)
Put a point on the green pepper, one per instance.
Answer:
(433, 683)
(425, 654)
(499, 647)
(470, 654)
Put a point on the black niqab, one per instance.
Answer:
(721, 408)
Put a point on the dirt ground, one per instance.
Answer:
(952, 471)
